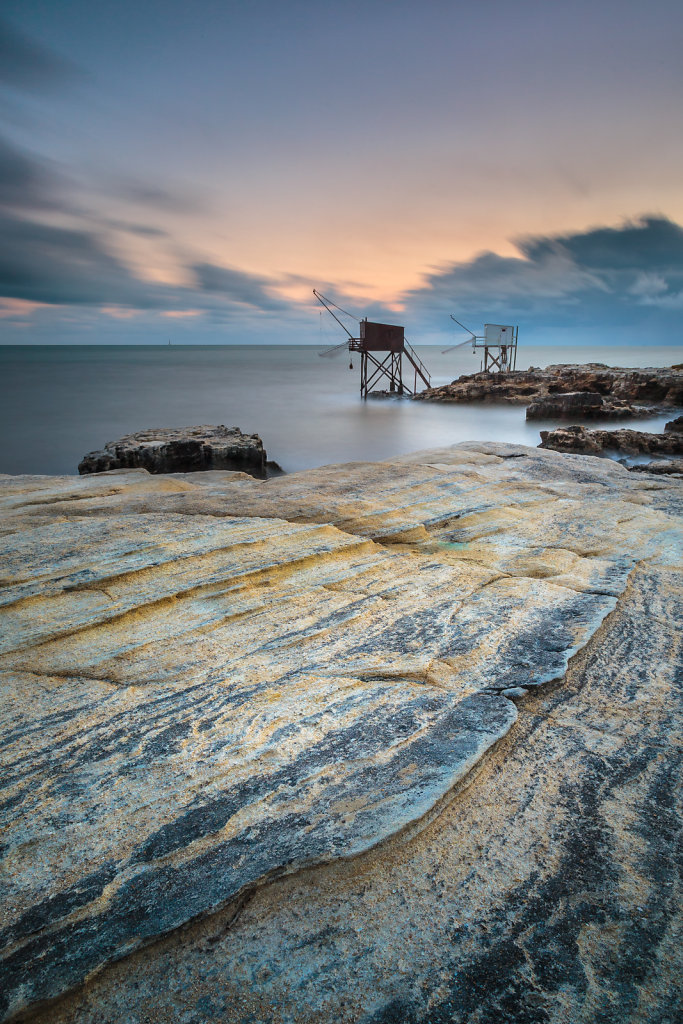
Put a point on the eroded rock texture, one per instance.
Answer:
(182, 450)
(584, 405)
(553, 391)
(660, 467)
(211, 682)
(579, 439)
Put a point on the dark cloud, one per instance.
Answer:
(74, 267)
(237, 286)
(48, 264)
(25, 183)
(652, 243)
(606, 277)
(28, 65)
(44, 263)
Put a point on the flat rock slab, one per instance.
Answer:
(209, 681)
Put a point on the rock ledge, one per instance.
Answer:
(619, 387)
(579, 439)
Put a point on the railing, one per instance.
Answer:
(417, 363)
(359, 345)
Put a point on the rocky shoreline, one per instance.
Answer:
(369, 743)
(565, 390)
(580, 440)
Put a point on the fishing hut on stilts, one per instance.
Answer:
(382, 349)
(499, 342)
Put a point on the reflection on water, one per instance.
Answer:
(57, 403)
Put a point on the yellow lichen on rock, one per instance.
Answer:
(209, 680)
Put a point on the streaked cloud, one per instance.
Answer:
(18, 309)
(222, 195)
(606, 276)
(62, 266)
(238, 286)
(25, 64)
(25, 182)
(165, 198)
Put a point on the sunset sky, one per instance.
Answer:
(192, 170)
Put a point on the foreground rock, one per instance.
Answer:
(631, 442)
(182, 450)
(212, 683)
(623, 389)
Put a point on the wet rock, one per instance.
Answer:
(580, 439)
(183, 450)
(674, 426)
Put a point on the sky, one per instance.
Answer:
(189, 172)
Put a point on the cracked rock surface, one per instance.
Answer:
(375, 742)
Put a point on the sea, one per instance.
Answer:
(59, 402)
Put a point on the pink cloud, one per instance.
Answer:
(19, 308)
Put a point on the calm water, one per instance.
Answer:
(58, 402)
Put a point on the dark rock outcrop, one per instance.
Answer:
(660, 467)
(585, 404)
(674, 426)
(581, 440)
(653, 386)
(182, 450)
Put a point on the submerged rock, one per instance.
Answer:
(182, 450)
(420, 712)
